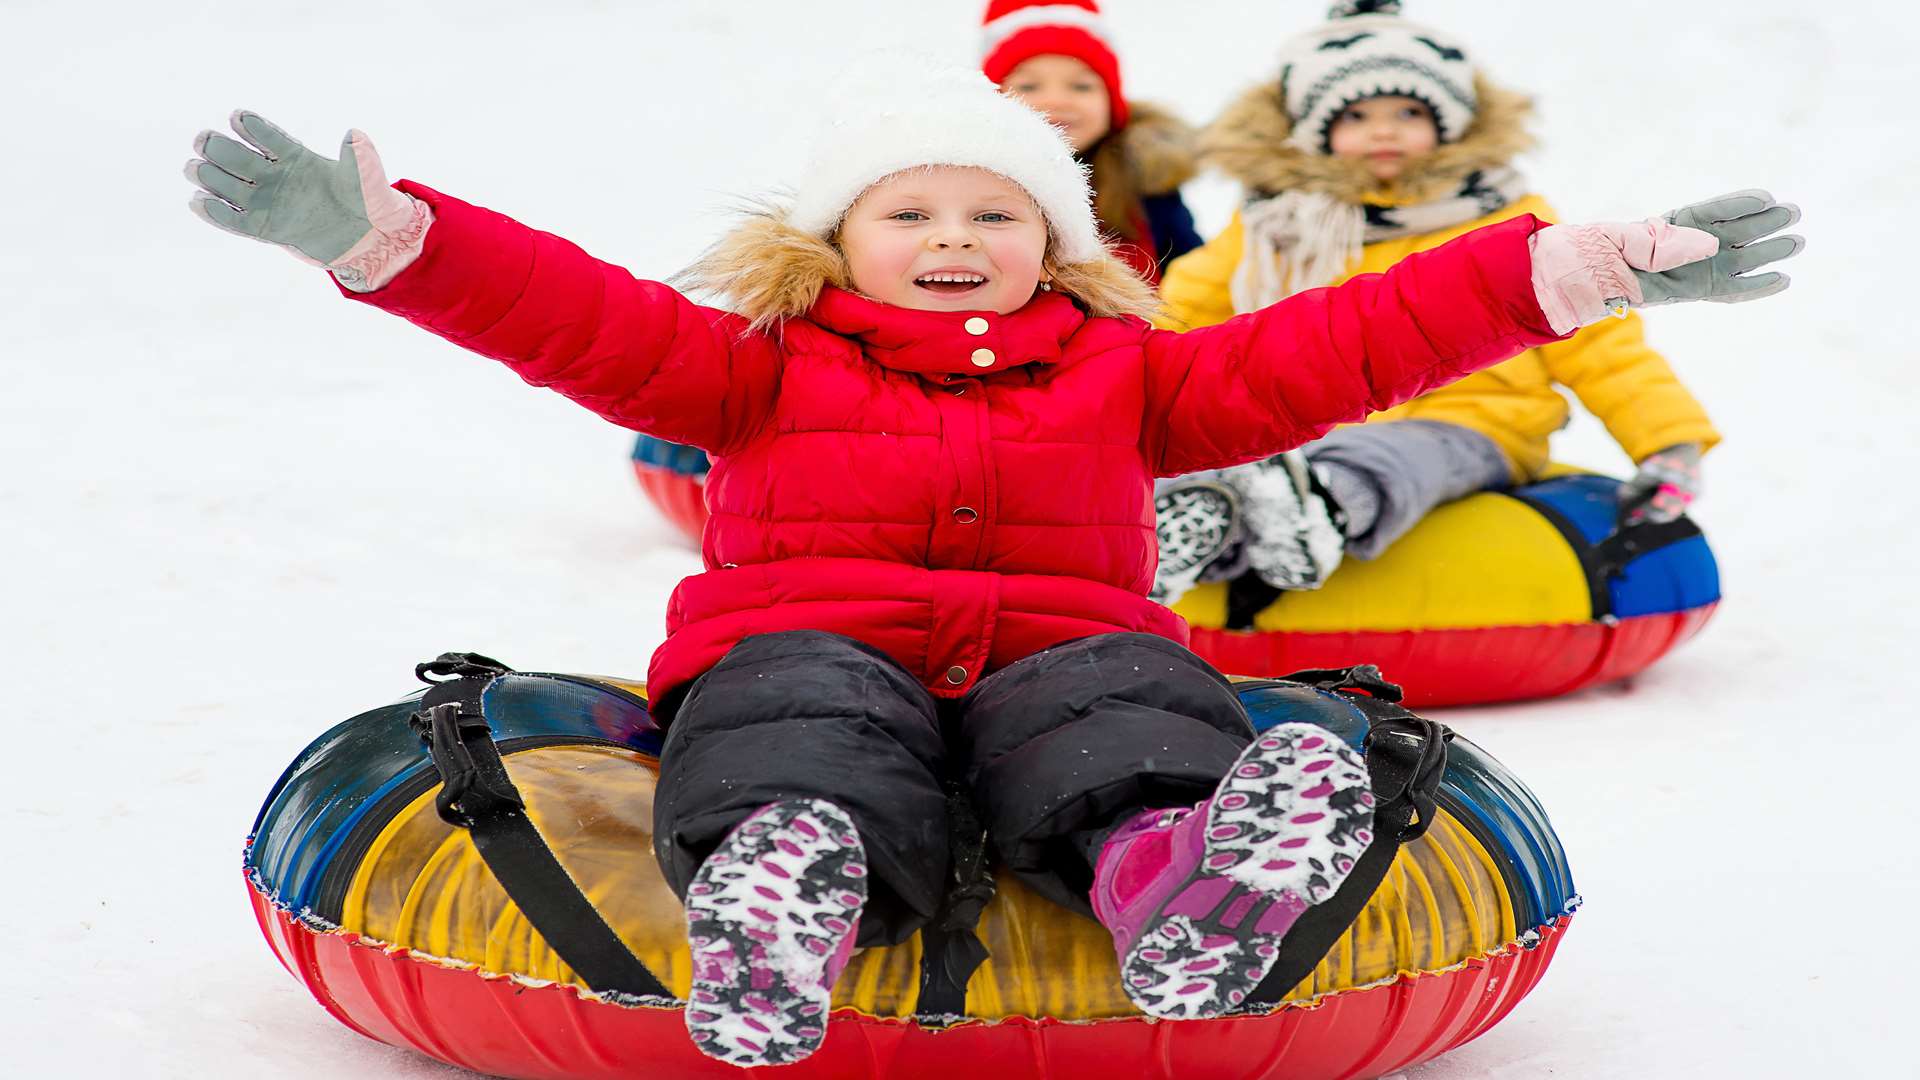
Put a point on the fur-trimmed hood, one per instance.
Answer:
(1160, 148)
(1249, 143)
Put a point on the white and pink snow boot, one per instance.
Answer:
(1199, 899)
(771, 918)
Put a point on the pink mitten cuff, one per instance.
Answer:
(381, 254)
(1583, 273)
(397, 223)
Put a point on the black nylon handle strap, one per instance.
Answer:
(477, 795)
(1609, 558)
(1405, 757)
(950, 946)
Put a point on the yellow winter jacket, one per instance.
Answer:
(1609, 365)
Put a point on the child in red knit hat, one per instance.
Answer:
(1059, 59)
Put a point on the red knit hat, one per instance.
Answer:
(1014, 31)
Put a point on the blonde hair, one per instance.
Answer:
(767, 271)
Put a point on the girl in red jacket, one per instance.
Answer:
(1058, 59)
(935, 414)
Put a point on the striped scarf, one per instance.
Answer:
(1300, 240)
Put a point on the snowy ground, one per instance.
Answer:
(235, 509)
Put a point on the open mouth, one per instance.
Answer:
(950, 283)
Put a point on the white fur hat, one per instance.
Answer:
(900, 113)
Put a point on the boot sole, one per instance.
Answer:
(1215, 505)
(766, 913)
(1282, 832)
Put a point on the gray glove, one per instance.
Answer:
(1738, 221)
(338, 214)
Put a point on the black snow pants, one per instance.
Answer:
(1051, 749)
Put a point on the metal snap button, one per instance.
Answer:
(965, 515)
(983, 358)
(956, 674)
(976, 326)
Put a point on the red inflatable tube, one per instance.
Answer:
(514, 1028)
(680, 498)
(1480, 665)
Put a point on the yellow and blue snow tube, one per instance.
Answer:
(1499, 596)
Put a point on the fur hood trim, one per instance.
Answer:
(1249, 143)
(768, 270)
(1159, 147)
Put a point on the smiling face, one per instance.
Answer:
(1070, 93)
(946, 238)
(1384, 132)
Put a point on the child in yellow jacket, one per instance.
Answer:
(1379, 139)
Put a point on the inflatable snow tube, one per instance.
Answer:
(394, 921)
(674, 478)
(1500, 596)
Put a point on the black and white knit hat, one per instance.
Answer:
(1365, 49)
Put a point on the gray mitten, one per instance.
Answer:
(338, 214)
(1738, 221)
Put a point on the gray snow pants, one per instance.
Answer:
(1387, 476)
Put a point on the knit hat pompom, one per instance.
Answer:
(1363, 7)
(896, 112)
(1015, 31)
(1366, 50)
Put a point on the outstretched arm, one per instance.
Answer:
(636, 352)
(1272, 379)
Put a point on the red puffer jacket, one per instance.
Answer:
(958, 489)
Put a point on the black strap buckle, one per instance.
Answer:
(1417, 749)
(452, 721)
(1364, 678)
(458, 665)
(467, 791)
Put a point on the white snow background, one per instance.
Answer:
(235, 509)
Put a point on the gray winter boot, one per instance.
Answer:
(1292, 535)
(1195, 521)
